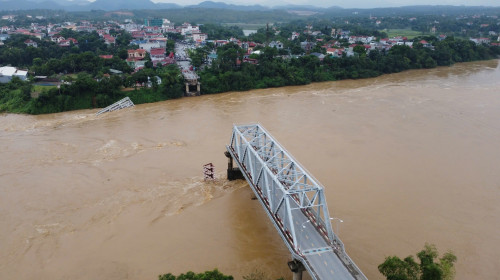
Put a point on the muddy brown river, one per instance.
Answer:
(405, 159)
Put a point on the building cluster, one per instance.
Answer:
(51, 32)
(149, 39)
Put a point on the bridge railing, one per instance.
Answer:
(290, 195)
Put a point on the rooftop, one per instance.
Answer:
(12, 71)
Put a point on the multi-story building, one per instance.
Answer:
(153, 22)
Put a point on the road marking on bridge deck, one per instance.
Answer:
(317, 251)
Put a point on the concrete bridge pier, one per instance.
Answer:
(297, 268)
(198, 88)
(187, 88)
(233, 173)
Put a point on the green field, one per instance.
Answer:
(247, 26)
(38, 88)
(410, 34)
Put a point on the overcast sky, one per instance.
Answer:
(346, 4)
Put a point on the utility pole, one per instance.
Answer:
(267, 34)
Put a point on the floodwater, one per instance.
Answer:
(405, 159)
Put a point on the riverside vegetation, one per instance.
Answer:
(87, 83)
(84, 91)
(273, 71)
(393, 268)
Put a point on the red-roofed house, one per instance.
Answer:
(251, 60)
(335, 52)
(31, 43)
(484, 40)
(138, 35)
(136, 58)
(67, 43)
(157, 54)
(425, 44)
(102, 32)
(106, 56)
(57, 38)
(108, 39)
(139, 53)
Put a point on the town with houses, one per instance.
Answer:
(378, 95)
(151, 37)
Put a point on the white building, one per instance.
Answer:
(276, 44)
(150, 45)
(6, 74)
(166, 24)
(187, 28)
(200, 37)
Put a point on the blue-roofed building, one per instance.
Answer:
(138, 42)
(4, 37)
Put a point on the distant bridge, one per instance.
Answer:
(294, 201)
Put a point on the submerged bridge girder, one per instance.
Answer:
(294, 201)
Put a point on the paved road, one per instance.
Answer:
(325, 262)
(320, 255)
(183, 60)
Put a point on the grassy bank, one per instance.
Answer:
(410, 34)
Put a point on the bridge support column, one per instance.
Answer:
(297, 268)
(198, 88)
(233, 173)
(187, 89)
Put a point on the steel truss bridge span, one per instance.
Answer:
(294, 201)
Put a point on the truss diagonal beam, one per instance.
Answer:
(290, 195)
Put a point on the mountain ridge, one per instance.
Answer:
(114, 5)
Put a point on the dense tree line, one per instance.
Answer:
(393, 268)
(213, 275)
(15, 52)
(86, 91)
(207, 275)
(227, 74)
(216, 31)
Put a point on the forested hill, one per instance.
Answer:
(412, 10)
(134, 5)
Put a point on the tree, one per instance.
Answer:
(360, 50)
(393, 268)
(207, 275)
(257, 275)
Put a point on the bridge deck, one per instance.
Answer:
(294, 202)
(123, 103)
